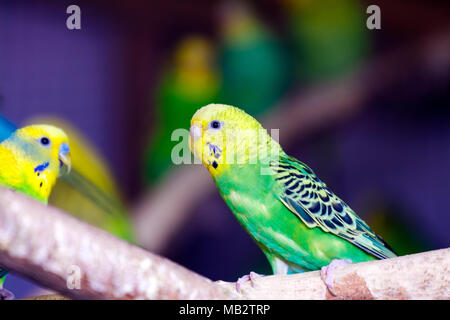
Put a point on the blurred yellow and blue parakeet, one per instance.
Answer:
(190, 79)
(31, 159)
(297, 221)
(255, 66)
(329, 37)
(90, 191)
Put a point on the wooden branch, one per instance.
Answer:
(46, 245)
(157, 217)
(48, 297)
(419, 276)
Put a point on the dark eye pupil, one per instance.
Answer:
(215, 124)
(45, 141)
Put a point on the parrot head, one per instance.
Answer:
(223, 136)
(32, 158)
(193, 53)
(238, 23)
(50, 143)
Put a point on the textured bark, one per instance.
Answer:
(45, 244)
(419, 276)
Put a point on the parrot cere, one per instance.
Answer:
(31, 159)
(297, 221)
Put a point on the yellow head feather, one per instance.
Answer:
(31, 158)
(223, 135)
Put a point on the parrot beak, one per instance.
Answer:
(64, 156)
(195, 132)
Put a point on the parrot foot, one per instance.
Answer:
(326, 273)
(248, 277)
(6, 294)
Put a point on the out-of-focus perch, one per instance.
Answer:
(46, 245)
(48, 297)
(160, 214)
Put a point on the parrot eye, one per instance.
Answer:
(215, 124)
(45, 141)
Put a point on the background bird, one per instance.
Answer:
(297, 221)
(254, 64)
(188, 81)
(90, 192)
(31, 159)
(328, 37)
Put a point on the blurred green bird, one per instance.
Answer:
(189, 81)
(255, 67)
(329, 37)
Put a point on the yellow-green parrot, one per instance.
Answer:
(31, 159)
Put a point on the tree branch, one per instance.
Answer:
(419, 276)
(45, 244)
(48, 246)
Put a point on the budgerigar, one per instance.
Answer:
(256, 67)
(189, 80)
(90, 192)
(31, 159)
(297, 221)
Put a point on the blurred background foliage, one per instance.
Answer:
(138, 70)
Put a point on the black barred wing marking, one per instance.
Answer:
(309, 198)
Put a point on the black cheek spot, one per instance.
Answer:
(40, 185)
(215, 165)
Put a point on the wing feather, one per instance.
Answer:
(6, 128)
(317, 206)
